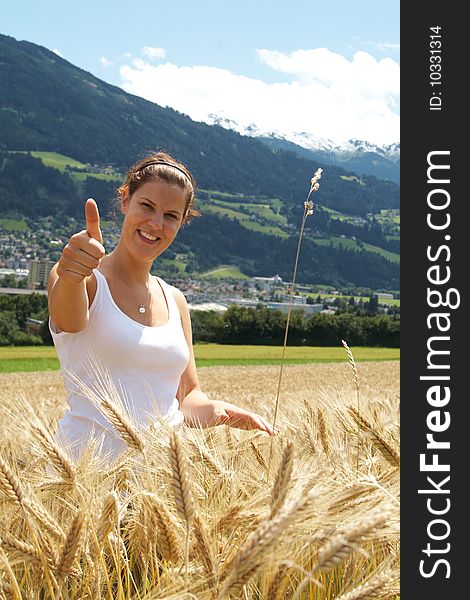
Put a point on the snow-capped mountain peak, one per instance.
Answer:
(307, 140)
(357, 156)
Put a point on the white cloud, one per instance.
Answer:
(58, 52)
(153, 53)
(326, 94)
(105, 63)
(388, 46)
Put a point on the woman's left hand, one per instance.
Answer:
(234, 416)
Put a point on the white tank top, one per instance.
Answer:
(116, 355)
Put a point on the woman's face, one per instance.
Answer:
(153, 216)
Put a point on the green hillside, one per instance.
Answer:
(67, 135)
(48, 104)
(254, 236)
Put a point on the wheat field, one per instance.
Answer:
(209, 514)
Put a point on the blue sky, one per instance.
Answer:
(328, 68)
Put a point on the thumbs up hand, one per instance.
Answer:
(92, 217)
(84, 250)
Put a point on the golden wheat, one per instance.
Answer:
(382, 444)
(56, 455)
(71, 546)
(280, 487)
(207, 491)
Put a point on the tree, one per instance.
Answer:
(372, 306)
(9, 281)
(8, 327)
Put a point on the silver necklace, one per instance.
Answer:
(140, 307)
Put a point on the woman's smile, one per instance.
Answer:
(148, 237)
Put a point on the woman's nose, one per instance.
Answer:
(157, 220)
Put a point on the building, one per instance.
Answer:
(33, 326)
(284, 307)
(384, 296)
(20, 292)
(267, 283)
(39, 273)
(208, 306)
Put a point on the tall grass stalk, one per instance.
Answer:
(308, 210)
(352, 362)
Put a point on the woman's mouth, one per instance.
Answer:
(147, 237)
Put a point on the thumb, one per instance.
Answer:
(92, 217)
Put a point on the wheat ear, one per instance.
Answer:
(387, 450)
(19, 549)
(10, 484)
(7, 588)
(343, 543)
(56, 455)
(323, 431)
(106, 521)
(351, 494)
(259, 457)
(180, 480)
(249, 557)
(48, 551)
(182, 491)
(275, 588)
(228, 519)
(370, 590)
(71, 546)
(352, 362)
(13, 586)
(121, 479)
(167, 526)
(123, 425)
(212, 464)
(45, 519)
(138, 528)
(205, 549)
(282, 480)
(340, 545)
(312, 444)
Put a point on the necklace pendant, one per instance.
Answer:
(142, 309)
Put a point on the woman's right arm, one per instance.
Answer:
(71, 280)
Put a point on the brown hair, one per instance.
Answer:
(173, 172)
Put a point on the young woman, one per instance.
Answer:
(113, 321)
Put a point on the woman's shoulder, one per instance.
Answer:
(180, 299)
(177, 295)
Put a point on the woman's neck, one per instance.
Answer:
(133, 271)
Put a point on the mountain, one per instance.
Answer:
(48, 105)
(358, 156)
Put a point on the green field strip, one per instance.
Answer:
(350, 244)
(352, 178)
(243, 219)
(224, 272)
(58, 161)
(391, 256)
(37, 358)
(14, 225)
